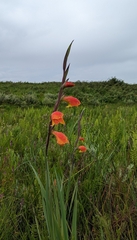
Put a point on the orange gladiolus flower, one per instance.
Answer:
(68, 84)
(72, 101)
(81, 139)
(82, 149)
(57, 117)
(60, 137)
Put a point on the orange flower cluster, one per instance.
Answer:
(57, 117)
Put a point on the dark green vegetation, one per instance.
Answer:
(106, 174)
(92, 93)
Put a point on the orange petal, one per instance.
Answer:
(82, 149)
(68, 84)
(57, 121)
(60, 137)
(57, 117)
(73, 102)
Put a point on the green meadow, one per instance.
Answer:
(67, 194)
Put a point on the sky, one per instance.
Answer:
(34, 36)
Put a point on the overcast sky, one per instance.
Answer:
(34, 35)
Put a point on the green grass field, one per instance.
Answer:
(97, 190)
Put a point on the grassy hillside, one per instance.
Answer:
(90, 93)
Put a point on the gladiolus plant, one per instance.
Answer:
(55, 202)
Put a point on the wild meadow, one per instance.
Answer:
(55, 191)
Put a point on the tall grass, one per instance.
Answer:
(57, 212)
(106, 175)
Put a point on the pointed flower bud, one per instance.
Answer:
(81, 139)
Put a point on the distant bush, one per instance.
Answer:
(51, 95)
(2, 97)
(114, 81)
(49, 99)
(10, 99)
(30, 99)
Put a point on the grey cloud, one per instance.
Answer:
(35, 35)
